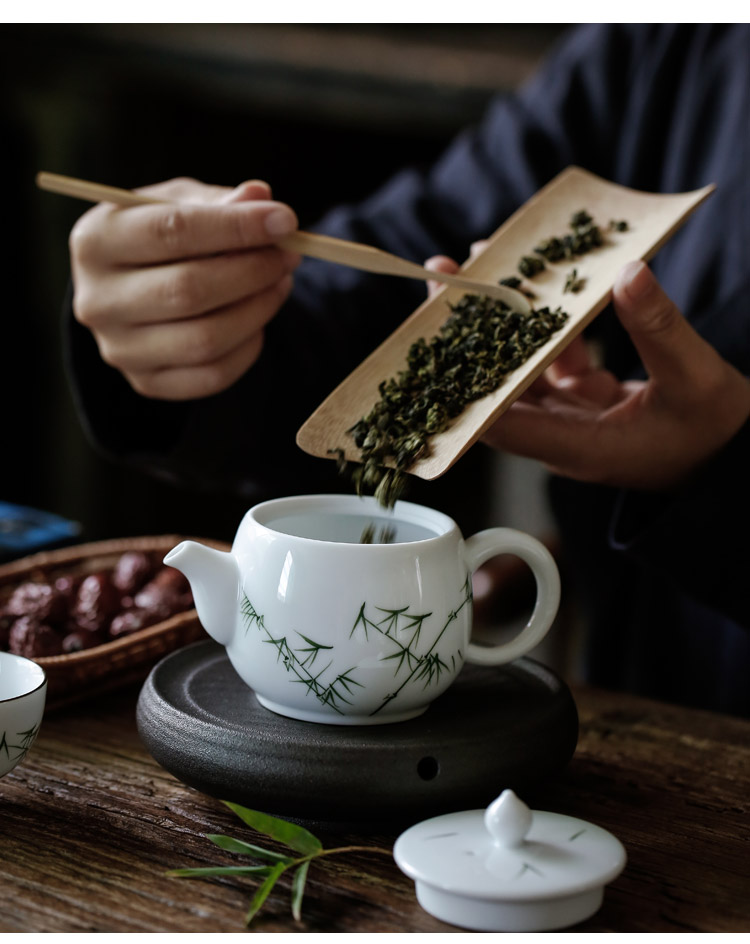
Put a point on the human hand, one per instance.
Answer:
(177, 296)
(584, 423)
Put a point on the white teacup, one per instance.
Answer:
(325, 628)
(23, 690)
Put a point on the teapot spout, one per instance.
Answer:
(214, 580)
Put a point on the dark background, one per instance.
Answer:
(323, 112)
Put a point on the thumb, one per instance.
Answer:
(670, 349)
(439, 264)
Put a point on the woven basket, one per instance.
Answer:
(116, 663)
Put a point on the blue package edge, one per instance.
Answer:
(24, 530)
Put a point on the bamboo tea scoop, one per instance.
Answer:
(328, 248)
(651, 220)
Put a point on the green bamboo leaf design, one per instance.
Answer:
(310, 659)
(28, 737)
(416, 618)
(313, 648)
(311, 681)
(335, 693)
(264, 891)
(403, 654)
(298, 890)
(290, 834)
(361, 618)
(391, 618)
(311, 642)
(250, 614)
(219, 870)
(416, 624)
(346, 680)
(282, 648)
(431, 669)
(394, 622)
(312, 685)
(245, 848)
(329, 697)
(429, 665)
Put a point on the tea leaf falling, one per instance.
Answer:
(478, 346)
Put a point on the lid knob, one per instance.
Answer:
(508, 820)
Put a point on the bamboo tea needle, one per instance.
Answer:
(328, 248)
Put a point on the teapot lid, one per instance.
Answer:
(508, 868)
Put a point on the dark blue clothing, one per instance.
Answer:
(664, 579)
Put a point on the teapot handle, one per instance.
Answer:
(481, 547)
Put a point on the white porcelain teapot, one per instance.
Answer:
(325, 628)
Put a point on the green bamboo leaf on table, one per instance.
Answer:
(298, 889)
(264, 891)
(290, 834)
(219, 870)
(293, 836)
(245, 848)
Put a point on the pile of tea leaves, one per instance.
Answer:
(482, 341)
(584, 236)
(477, 347)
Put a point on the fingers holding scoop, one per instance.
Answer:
(174, 292)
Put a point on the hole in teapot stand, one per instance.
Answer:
(428, 768)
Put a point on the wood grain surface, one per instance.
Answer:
(89, 824)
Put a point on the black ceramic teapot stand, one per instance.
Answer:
(509, 726)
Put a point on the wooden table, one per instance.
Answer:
(89, 824)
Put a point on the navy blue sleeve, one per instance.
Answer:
(695, 538)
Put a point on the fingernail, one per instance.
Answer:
(241, 191)
(280, 222)
(635, 280)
